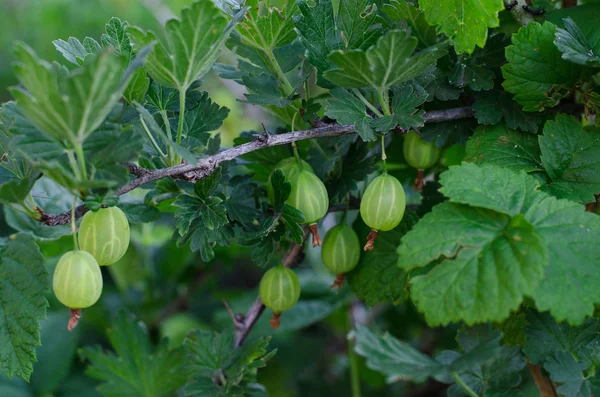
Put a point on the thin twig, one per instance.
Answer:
(207, 165)
(243, 323)
(544, 385)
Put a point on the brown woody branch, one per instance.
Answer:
(542, 382)
(207, 165)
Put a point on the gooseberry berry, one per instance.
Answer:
(105, 235)
(309, 196)
(420, 155)
(77, 282)
(290, 168)
(382, 206)
(341, 251)
(279, 290)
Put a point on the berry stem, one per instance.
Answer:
(464, 386)
(419, 182)
(275, 322)
(181, 120)
(294, 146)
(74, 225)
(338, 282)
(370, 240)
(383, 155)
(74, 320)
(316, 237)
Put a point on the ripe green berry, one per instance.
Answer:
(309, 196)
(382, 206)
(420, 155)
(105, 235)
(341, 251)
(290, 168)
(77, 281)
(279, 290)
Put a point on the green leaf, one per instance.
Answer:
(403, 10)
(394, 358)
(202, 214)
(265, 90)
(487, 367)
(139, 213)
(354, 167)
(117, 39)
(482, 363)
(436, 85)
(23, 289)
(494, 188)
(570, 157)
(212, 358)
(544, 337)
(74, 51)
(16, 176)
(382, 65)
(567, 372)
(291, 218)
(272, 228)
(405, 114)
(193, 44)
(241, 205)
(267, 28)
(575, 46)
(565, 352)
(566, 232)
(68, 108)
(356, 21)
(55, 356)
(281, 188)
(476, 77)
(535, 73)
(497, 145)
(323, 30)
(167, 141)
(134, 369)
(493, 106)
(205, 117)
(448, 132)
(346, 108)
(376, 279)
(466, 23)
(571, 237)
(483, 282)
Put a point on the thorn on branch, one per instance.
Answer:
(238, 319)
(264, 137)
(136, 170)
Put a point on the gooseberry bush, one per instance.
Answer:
(448, 153)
